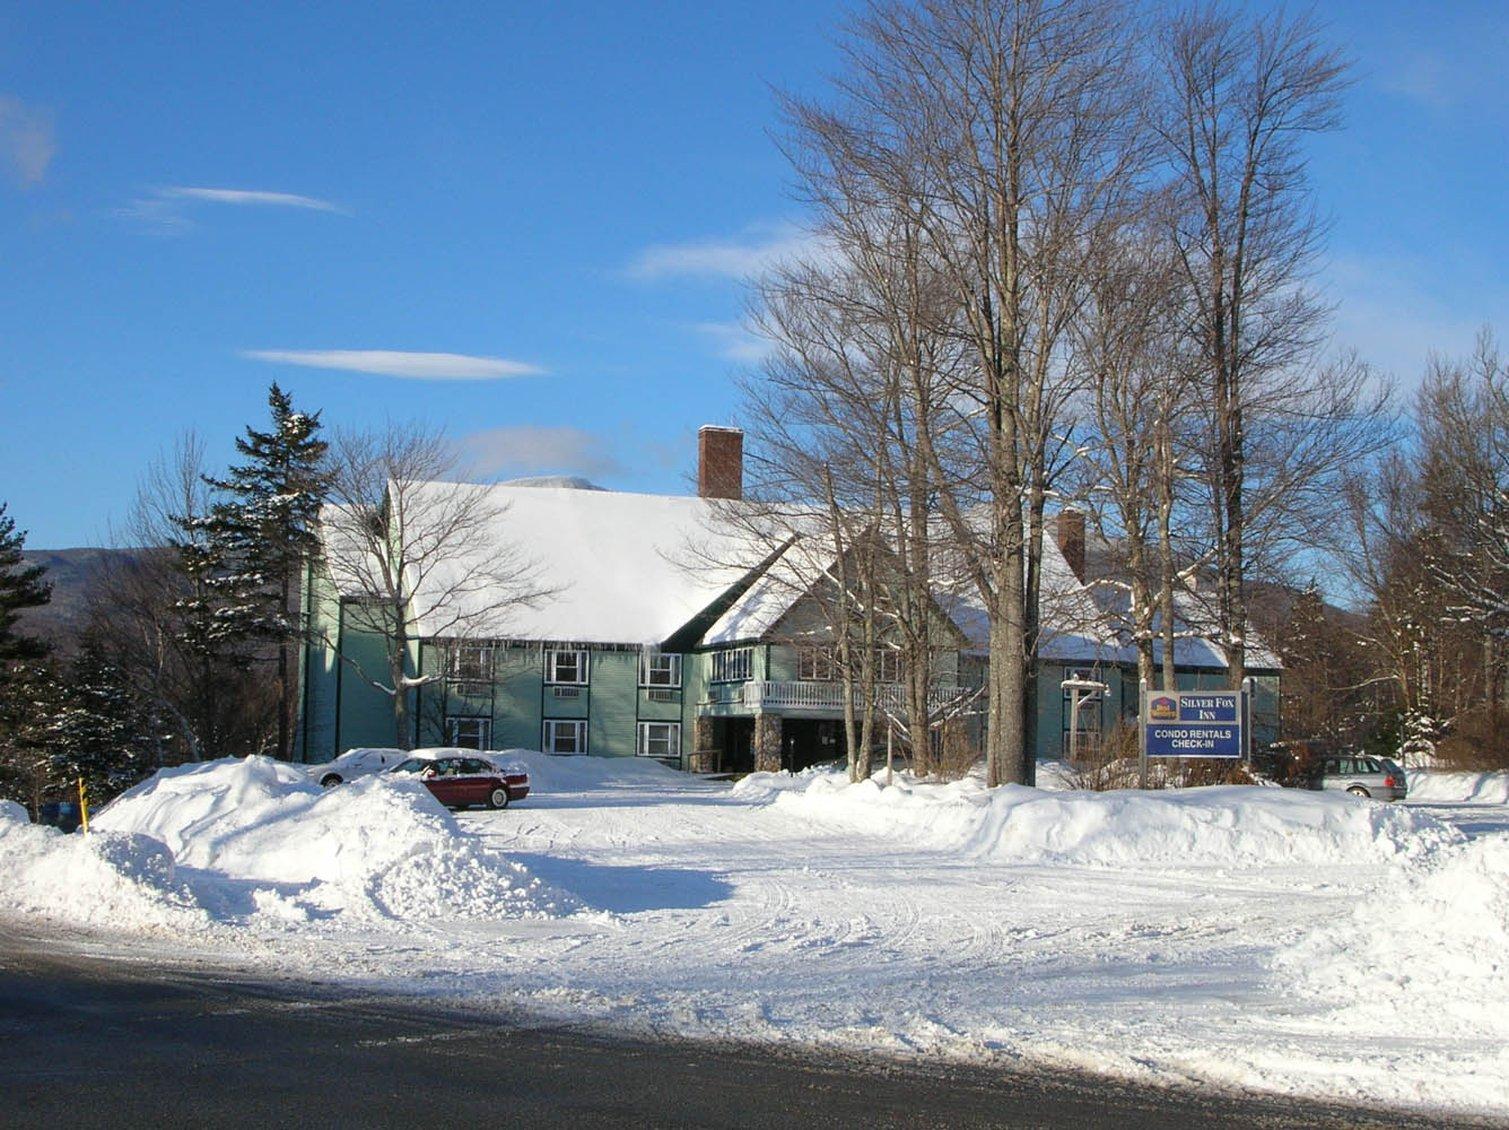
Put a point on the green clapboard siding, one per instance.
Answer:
(611, 726)
(516, 714)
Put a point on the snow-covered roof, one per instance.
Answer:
(622, 568)
(761, 606)
(626, 568)
(1195, 626)
(1073, 626)
(637, 569)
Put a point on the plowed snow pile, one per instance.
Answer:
(1432, 950)
(1445, 787)
(380, 847)
(109, 879)
(1218, 825)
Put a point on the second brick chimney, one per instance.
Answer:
(1071, 540)
(720, 462)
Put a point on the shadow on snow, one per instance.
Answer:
(628, 889)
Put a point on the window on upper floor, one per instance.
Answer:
(569, 667)
(816, 664)
(734, 666)
(659, 669)
(469, 663)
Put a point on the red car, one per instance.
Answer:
(459, 782)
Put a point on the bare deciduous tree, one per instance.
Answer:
(414, 550)
(1003, 129)
(1239, 95)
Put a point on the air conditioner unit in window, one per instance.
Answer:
(661, 694)
(568, 692)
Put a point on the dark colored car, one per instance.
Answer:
(462, 782)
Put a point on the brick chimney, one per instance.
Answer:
(1071, 540)
(720, 462)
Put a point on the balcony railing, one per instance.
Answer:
(757, 695)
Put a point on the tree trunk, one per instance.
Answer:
(397, 662)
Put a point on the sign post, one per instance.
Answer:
(1142, 734)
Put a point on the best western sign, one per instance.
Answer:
(1192, 723)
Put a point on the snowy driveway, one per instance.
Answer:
(753, 922)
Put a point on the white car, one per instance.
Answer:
(354, 763)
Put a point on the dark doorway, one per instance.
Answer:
(809, 741)
(735, 740)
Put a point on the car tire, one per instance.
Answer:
(1358, 790)
(330, 780)
(498, 798)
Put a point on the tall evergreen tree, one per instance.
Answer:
(21, 587)
(263, 530)
(99, 730)
(211, 627)
(29, 773)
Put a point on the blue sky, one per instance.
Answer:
(562, 195)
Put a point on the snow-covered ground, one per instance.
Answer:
(1298, 942)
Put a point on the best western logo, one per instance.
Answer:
(1163, 709)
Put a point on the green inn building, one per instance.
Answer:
(672, 635)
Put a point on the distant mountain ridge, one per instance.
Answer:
(70, 572)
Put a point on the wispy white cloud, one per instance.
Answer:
(756, 251)
(736, 341)
(28, 140)
(247, 196)
(400, 363)
(530, 450)
(166, 210)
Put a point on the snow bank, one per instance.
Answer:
(195, 808)
(104, 879)
(1216, 825)
(1431, 954)
(380, 847)
(11, 812)
(1445, 787)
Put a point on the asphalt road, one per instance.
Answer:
(89, 1042)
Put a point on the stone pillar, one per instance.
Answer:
(767, 743)
(705, 752)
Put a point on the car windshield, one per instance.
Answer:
(413, 765)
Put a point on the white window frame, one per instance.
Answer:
(888, 657)
(815, 664)
(484, 732)
(736, 665)
(659, 669)
(455, 667)
(551, 728)
(672, 738)
(552, 668)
